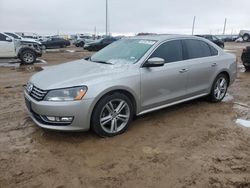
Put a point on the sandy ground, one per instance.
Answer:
(196, 144)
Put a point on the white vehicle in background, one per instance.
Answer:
(18, 37)
(245, 34)
(24, 50)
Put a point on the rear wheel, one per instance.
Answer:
(246, 37)
(219, 88)
(247, 68)
(222, 46)
(112, 115)
(28, 56)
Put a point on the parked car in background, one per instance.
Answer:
(99, 44)
(227, 38)
(26, 51)
(56, 43)
(213, 39)
(245, 57)
(132, 76)
(81, 42)
(245, 34)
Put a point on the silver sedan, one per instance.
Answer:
(132, 76)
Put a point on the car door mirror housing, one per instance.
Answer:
(8, 39)
(155, 62)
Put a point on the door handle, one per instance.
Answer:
(183, 70)
(214, 64)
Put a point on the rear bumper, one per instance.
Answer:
(79, 110)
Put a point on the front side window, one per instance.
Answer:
(196, 49)
(2, 37)
(13, 35)
(170, 51)
(123, 51)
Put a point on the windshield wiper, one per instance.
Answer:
(103, 62)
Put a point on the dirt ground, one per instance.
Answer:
(196, 144)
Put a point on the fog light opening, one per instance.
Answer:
(57, 119)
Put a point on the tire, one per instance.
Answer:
(28, 57)
(218, 92)
(246, 37)
(222, 46)
(112, 115)
(77, 45)
(247, 68)
(81, 44)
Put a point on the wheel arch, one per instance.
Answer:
(125, 91)
(227, 75)
(23, 49)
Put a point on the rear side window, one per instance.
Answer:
(214, 52)
(197, 49)
(2, 37)
(170, 51)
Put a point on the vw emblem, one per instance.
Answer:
(29, 87)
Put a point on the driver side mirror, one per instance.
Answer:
(8, 39)
(155, 62)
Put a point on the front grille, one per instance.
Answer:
(38, 94)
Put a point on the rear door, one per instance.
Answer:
(166, 84)
(7, 48)
(202, 63)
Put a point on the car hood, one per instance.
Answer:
(75, 73)
(25, 40)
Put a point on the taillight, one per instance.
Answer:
(244, 50)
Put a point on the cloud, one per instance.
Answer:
(130, 16)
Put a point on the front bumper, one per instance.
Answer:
(80, 110)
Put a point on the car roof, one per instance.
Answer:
(164, 37)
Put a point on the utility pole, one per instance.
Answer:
(95, 32)
(225, 24)
(106, 17)
(193, 25)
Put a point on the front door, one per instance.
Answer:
(166, 84)
(7, 48)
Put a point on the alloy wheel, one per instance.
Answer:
(220, 88)
(28, 58)
(114, 116)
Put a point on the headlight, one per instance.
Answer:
(67, 94)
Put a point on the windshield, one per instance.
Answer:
(13, 35)
(123, 51)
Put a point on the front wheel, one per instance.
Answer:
(219, 88)
(112, 115)
(82, 44)
(28, 57)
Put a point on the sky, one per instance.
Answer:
(126, 17)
